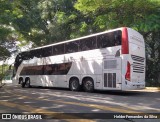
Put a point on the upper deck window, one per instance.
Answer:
(71, 47)
(88, 44)
(109, 39)
(58, 49)
(47, 51)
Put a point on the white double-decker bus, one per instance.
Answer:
(110, 60)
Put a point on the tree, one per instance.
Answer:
(43, 21)
(7, 40)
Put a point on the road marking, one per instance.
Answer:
(101, 107)
(44, 112)
(52, 95)
(114, 109)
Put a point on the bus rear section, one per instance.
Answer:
(134, 66)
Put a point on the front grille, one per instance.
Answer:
(138, 67)
(137, 58)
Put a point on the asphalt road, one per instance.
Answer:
(64, 105)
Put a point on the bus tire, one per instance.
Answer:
(74, 84)
(22, 84)
(88, 85)
(27, 83)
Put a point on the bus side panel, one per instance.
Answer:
(36, 80)
(112, 74)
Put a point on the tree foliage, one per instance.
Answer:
(43, 21)
(7, 33)
(47, 21)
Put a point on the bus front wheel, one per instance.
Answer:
(21, 82)
(74, 84)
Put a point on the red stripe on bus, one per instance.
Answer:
(125, 45)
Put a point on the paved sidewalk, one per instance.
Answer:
(152, 89)
(149, 89)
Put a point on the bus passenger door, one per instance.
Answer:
(112, 74)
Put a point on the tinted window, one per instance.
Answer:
(47, 51)
(109, 39)
(37, 53)
(26, 55)
(58, 49)
(48, 70)
(31, 54)
(38, 70)
(71, 47)
(18, 61)
(88, 44)
(57, 69)
(62, 69)
(103, 41)
(118, 37)
(23, 55)
(32, 70)
(51, 69)
(19, 57)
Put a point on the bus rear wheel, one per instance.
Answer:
(74, 84)
(22, 83)
(88, 85)
(27, 83)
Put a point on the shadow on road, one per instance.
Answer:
(107, 92)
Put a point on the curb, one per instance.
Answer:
(152, 88)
